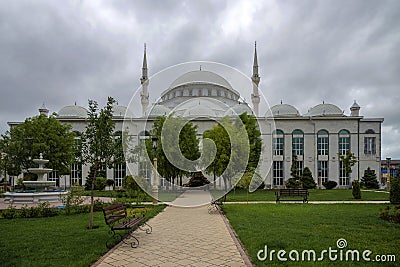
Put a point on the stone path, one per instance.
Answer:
(181, 237)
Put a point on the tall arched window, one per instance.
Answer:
(344, 142)
(144, 165)
(323, 143)
(278, 142)
(298, 142)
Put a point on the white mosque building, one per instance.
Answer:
(317, 137)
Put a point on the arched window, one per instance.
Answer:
(144, 165)
(323, 143)
(298, 142)
(278, 142)
(344, 142)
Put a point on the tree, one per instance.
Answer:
(295, 171)
(40, 134)
(245, 181)
(165, 128)
(307, 179)
(349, 160)
(98, 145)
(369, 179)
(255, 142)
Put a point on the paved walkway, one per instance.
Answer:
(181, 237)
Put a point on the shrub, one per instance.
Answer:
(307, 179)
(369, 179)
(392, 216)
(100, 183)
(356, 190)
(329, 184)
(42, 210)
(395, 190)
(293, 183)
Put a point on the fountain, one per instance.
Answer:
(40, 191)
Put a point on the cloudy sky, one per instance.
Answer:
(62, 52)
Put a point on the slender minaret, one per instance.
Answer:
(255, 97)
(144, 80)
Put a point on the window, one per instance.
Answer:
(209, 92)
(369, 146)
(299, 167)
(323, 171)
(119, 173)
(297, 142)
(144, 165)
(278, 143)
(76, 174)
(344, 142)
(343, 176)
(322, 143)
(277, 173)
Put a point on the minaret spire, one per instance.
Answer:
(255, 96)
(144, 80)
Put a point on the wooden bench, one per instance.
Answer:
(291, 192)
(215, 204)
(117, 219)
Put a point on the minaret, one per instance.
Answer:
(144, 80)
(355, 110)
(255, 97)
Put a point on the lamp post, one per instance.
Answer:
(388, 160)
(154, 143)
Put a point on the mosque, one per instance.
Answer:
(317, 138)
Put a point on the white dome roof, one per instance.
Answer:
(73, 112)
(121, 111)
(157, 110)
(198, 107)
(239, 109)
(201, 76)
(282, 110)
(325, 110)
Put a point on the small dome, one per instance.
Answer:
(282, 110)
(157, 110)
(355, 106)
(121, 111)
(325, 110)
(201, 76)
(239, 109)
(72, 112)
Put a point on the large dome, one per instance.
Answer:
(201, 76)
(201, 107)
(282, 110)
(325, 110)
(72, 112)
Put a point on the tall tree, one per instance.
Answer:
(255, 142)
(40, 134)
(98, 145)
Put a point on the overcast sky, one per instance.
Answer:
(62, 52)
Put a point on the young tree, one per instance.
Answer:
(369, 179)
(395, 188)
(349, 160)
(356, 190)
(98, 145)
(307, 179)
(295, 171)
(40, 134)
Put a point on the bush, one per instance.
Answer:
(356, 190)
(42, 210)
(293, 183)
(307, 179)
(392, 216)
(100, 183)
(329, 184)
(395, 190)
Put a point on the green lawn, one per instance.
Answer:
(318, 227)
(55, 241)
(315, 195)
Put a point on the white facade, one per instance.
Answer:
(317, 137)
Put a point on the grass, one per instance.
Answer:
(314, 195)
(55, 241)
(317, 227)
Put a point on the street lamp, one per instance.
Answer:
(388, 160)
(154, 144)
